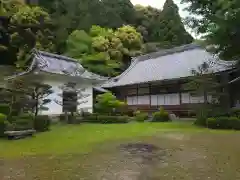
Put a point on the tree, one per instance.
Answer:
(218, 22)
(70, 15)
(71, 97)
(25, 28)
(39, 96)
(16, 98)
(124, 9)
(103, 50)
(78, 44)
(107, 103)
(146, 20)
(170, 28)
(205, 83)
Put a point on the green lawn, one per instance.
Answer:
(94, 152)
(82, 138)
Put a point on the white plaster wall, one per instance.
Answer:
(87, 106)
(56, 109)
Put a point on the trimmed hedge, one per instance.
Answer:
(161, 116)
(235, 112)
(4, 109)
(22, 122)
(42, 123)
(3, 124)
(224, 123)
(140, 116)
(105, 119)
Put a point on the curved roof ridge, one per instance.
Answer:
(66, 58)
(165, 52)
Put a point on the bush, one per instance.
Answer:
(224, 123)
(235, 123)
(42, 123)
(22, 122)
(235, 112)
(70, 118)
(123, 119)
(91, 118)
(62, 117)
(4, 109)
(140, 117)
(161, 116)
(105, 119)
(112, 119)
(201, 116)
(3, 123)
(212, 123)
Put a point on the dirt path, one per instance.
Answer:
(169, 156)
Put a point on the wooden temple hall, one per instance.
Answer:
(158, 79)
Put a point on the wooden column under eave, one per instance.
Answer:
(150, 92)
(180, 92)
(225, 98)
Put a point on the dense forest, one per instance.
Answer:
(102, 35)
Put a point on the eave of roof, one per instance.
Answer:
(153, 63)
(41, 61)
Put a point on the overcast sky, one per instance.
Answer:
(159, 4)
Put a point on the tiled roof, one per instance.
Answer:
(168, 64)
(58, 64)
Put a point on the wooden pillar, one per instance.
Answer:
(180, 92)
(150, 92)
(137, 94)
(225, 99)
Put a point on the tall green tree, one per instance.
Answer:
(171, 29)
(70, 15)
(218, 21)
(25, 28)
(105, 51)
(124, 9)
(146, 19)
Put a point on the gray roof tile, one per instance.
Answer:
(166, 65)
(58, 64)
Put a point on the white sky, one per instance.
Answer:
(159, 4)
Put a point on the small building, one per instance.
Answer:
(150, 82)
(158, 79)
(57, 71)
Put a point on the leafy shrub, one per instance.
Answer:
(140, 116)
(107, 103)
(105, 119)
(201, 116)
(22, 122)
(112, 119)
(62, 117)
(91, 118)
(42, 123)
(224, 123)
(4, 109)
(123, 119)
(212, 123)
(161, 116)
(234, 123)
(235, 112)
(3, 124)
(70, 118)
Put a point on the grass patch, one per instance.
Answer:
(91, 151)
(82, 138)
